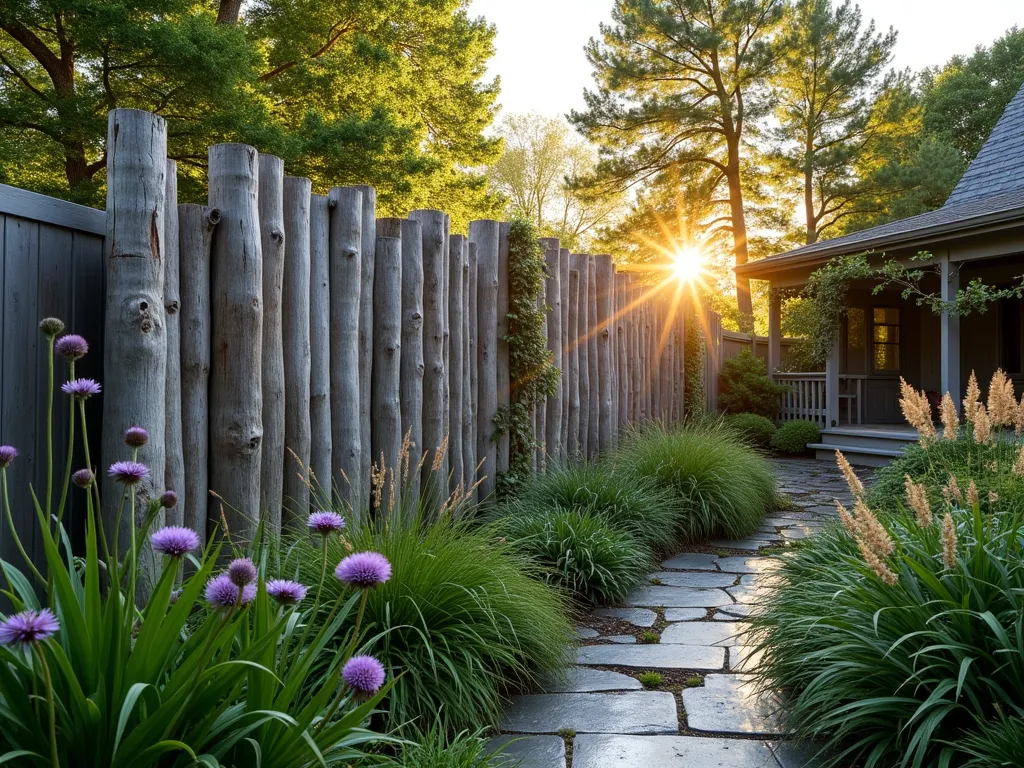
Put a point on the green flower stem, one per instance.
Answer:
(49, 432)
(54, 756)
(316, 600)
(71, 449)
(14, 532)
(96, 480)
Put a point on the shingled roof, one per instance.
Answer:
(991, 190)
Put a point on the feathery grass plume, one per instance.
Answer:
(439, 455)
(1002, 403)
(950, 419)
(876, 564)
(1018, 417)
(847, 519)
(403, 457)
(948, 541)
(917, 499)
(378, 476)
(871, 530)
(993, 497)
(982, 424)
(856, 486)
(972, 494)
(972, 397)
(953, 489)
(1018, 465)
(916, 410)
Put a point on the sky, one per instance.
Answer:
(543, 68)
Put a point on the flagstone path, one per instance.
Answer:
(704, 714)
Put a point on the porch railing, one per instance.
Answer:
(806, 397)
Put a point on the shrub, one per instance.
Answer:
(744, 386)
(463, 620)
(721, 487)
(755, 430)
(636, 505)
(794, 436)
(580, 553)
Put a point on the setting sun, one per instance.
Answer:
(688, 264)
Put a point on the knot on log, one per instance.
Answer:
(420, 369)
(147, 322)
(349, 253)
(172, 308)
(277, 235)
(605, 333)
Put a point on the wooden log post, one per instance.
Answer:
(386, 421)
(553, 419)
(367, 248)
(320, 349)
(295, 299)
(594, 428)
(540, 415)
(485, 233)
(446, 409)
(456, 245)
(656, 342)
(135, 333)
(435, 266)
(563, 302)
(606, 374)
(665, 366)
(578, 262)
(347, 218)
(174, 457)
(503, 368)
(573, 367)
(236, 373)
(195, 236)
(271, 208)
(411, 384)
(635, 370)
(622, 321)
(645, 358)
(469, 417)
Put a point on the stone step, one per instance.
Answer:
(596, 751)
(640, 712)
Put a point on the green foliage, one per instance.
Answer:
(635, 505)
(436, 749)
(721, 487)
(997, 744)
(908, 674)
(531, 371)
(580, 553)
(755, 430)
(650, 679)
(744, 386)
(827, 288)
(794, 436)
(648, 637)
(694, 361)
(463, 618)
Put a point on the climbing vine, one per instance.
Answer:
(532, 373)
(694, 356)
(827, 288)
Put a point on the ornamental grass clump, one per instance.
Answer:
(207, 668)
(897, 639)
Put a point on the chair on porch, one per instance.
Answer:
(850, 395)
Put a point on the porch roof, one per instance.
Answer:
(989, 196)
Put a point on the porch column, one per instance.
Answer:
(950, 324)
(832, 383)
(774, 329)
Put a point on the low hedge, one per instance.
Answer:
(795, 436)
(755, 430)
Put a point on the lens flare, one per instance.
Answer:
(688, 264)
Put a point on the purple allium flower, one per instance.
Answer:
(286, 592)
(242, 571)
(81, 388)
(28, 627)
(51, 326)
(363, 570)
(174, 540)
(168, 499)
(71, 346)
(83, 478)
(325, 523)
(363, 674)
(8, 453)
(136, 437)
(223, 593)
(128, 472)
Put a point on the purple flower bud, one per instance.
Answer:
(221, 592)
(71, 346)
(136, 437)
(51, 326)
(28, 627)
(363, 570)
(8, 453)
(81, 388)
(286, 592)
(168, 499)
(242, 571)
(174, 541)
(325, 523)
(128, 472)
(83, 478)
(363, 674)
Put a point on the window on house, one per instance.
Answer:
(885, 340)
(856, 338)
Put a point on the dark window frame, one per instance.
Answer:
(875, 344)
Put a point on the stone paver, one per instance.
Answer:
(678, 597)
(669, 752)
(791, 754)
(528, 751)
(703, 579)
(728, 704)
(752, 544)
(733, 612)
(638, 617)
(587, 680)
(715, 633)
(657, 656)
(685, 614)
(747, 564)
(586, 633)
(620, 639)
(633, 712)
(691, 561)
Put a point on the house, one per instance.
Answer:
(977, 233)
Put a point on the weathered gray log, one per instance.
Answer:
(386, 414)
(594, 423)
(434, 320)
(541, 413)
(606, 374)
(622, 347)
(320, 347)
(295, 298)
(502, 368)
(456, 245)
(485, 234)
(195, 236)
(656, 346)
(578, 262)
(573, 366)
(553, 419)
(271, 208)
(635, 371)
(368, 244)
(236, 399)
(347, 219)
(446, 467)
(563, 294)
(174, 460)
(411, 385)
(665, 383)
(135, 334)
(645, 358)
(470, 364)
